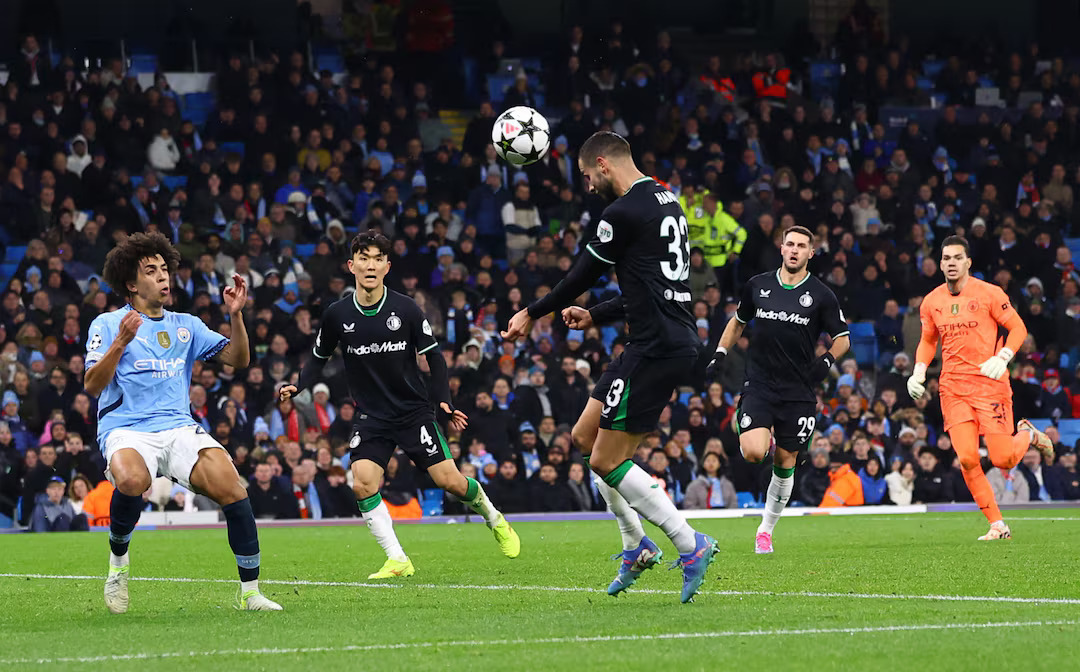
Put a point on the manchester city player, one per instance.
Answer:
(138, 364)
(790, 308)
(380, 333)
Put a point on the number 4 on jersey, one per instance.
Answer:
(425, 437)
(679, 270)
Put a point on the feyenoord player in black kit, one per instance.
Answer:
(380, 333)
(790, 309)
(643, 234)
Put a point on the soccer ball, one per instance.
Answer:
(521, 136)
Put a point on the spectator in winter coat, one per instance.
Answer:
(845, 488)
(711, 489)
(901, 483)
(874, 486)
(815, 480)
(53, 512)
(1053, 398)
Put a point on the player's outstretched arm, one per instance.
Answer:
(100, 373)
(578, 281)
(309, 375)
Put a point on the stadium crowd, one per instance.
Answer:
(291, 163)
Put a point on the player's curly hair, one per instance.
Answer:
(606, 144)
(122, 262)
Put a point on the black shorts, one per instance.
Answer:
(792, 422)
(421, 439)
(634, 390)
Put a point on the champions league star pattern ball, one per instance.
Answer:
(521, 136)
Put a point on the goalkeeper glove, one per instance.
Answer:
(915, 386)
(822, 367)
(716, 364)
(996, 366)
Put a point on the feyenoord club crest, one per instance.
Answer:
(805, 300)
(354, 441)
(745, 422)
(393, 323)
(163, 339)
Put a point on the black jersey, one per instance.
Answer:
(644, 235)
(788, 320)
(379, 345)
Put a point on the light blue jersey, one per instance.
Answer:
(149, 392)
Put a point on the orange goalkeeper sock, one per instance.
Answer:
(983, 493)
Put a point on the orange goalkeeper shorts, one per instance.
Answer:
(991, 413)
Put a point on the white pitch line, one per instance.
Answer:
(575, 589)
(598, 639)
(904, 518)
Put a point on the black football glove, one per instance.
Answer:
(821, 368)
(716, 366)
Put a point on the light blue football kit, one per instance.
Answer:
(149, 392)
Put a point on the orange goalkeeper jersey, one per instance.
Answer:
(970, 326)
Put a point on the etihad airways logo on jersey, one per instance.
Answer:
(782, 316)
(162, 368)
(377, 348)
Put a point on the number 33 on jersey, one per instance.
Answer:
(644, 234)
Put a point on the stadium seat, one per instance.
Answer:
(824, 79)
(862, 330)
(1041, 423)
(932, 68)
(233, 147)
(432, 502)
(1070, 439)
(174, 182)
(143, 63)
(746, 500)
(305, 250)
(924, 84)
(6, 522)
(684, 397)
(136, 180)
(15, 253)
(1069, 426)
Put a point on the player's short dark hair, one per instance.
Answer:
(957, 240)
(799, 229)
(369, 238)
(606, 144)
(122, 262)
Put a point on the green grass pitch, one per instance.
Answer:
(840, 593)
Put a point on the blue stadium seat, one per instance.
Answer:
(174, 182)
(865, 353)
(432, 502)
(746, 500)
(497, 86)
(305, 250)
(924, 84)
(233, 147)
(608, 336)
(15, 253)
(143, 63)
(1070, 439)
(1041, 423)
(824, 79)
(198, 100)
(862, 330)
(136, 180)
(932, 68)
(1069, 426)
(684, 398)
(6, 522)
